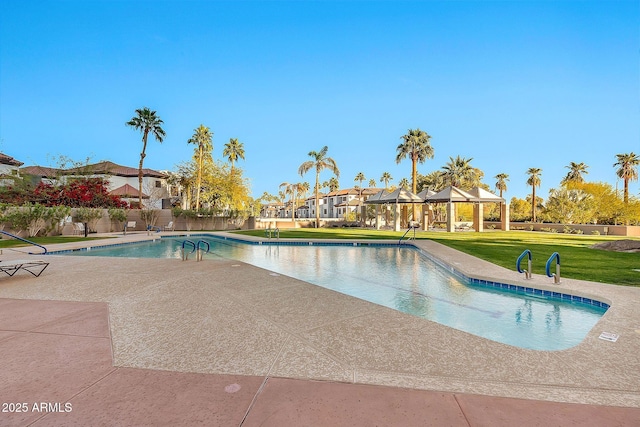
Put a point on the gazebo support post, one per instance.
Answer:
(451, 217)
(477, 217)
(396, 218)
(504, 216)
(378, 219)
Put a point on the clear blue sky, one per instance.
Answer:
(511, 84)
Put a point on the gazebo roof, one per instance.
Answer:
(451, 194)
(485, 196)
(127, 191)
(400, 195)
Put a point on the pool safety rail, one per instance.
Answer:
(200, 248)
(412, 226)
(527, 273)
(556, 277)
(272, 231)
(26, 241)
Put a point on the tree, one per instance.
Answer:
(334, 184)
(147, 122)
(533, 181)
(404, 183)
(291, 189)
(372, 183)
(415, 145)
(203, 140)
(359, 178)
(627, 170)
(501, 183)
(386, 177)
(576, 170)
(459, 173)
(233, 150)
(319, 161)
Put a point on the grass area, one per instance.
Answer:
(8, 242)
(578, 260)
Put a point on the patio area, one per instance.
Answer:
(166, 342)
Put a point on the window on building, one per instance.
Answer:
(158, 184)
(325, 211)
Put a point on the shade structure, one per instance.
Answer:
(400, 195)
(376, 198)
(451, 194)
(485, 196)
(426, 193)
(127, 191)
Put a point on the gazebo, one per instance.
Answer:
(477, 196)
(397, 197)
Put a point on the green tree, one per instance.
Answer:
(386, 178)
(459, 173)
(534, 181)
(147, 122)
(627, 170)
(501, 182)
(404, 183)
(203, 140)
(334, 184)
(372, 183)
(319, 162)
(569, 206)
(291, 189)
(576, 170)
(233, 150)
(415, 145)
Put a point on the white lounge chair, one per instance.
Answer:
(168, 227)
(78, 228)
(129, 225)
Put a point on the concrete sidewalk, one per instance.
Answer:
(58, 371)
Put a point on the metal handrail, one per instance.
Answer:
(185, 256)
(556, 277)
(203, 242)
(411, 227)
(26, 241)
(527, 274)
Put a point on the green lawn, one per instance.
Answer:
(7, 242)
(578, 260)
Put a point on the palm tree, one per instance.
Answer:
(333, 184)
(290, 189)
(147, 122)
(404, 183)
(320, 161)
(386, 177)
(415, 145)
(372, 183)
(459, 171)
(533, 181)
(203, 140)
(359, 178)
(576, 170)
(233, 150)
(628, 170)
(501, 183)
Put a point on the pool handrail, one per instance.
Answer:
(199, 253)
(185, 255)
(527, 274)
(556, 276)
(412, 226)
(26, 241)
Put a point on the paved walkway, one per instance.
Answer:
(164, 342)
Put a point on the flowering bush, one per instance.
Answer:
(84, 192)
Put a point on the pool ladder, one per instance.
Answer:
(269, 231)
(412, 226)
(527, 274)
(195, 247)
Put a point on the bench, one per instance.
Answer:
(34, 267)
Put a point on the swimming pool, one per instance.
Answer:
(406, 280)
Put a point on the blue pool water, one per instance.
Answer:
(406, 280)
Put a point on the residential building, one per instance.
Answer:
(9, 169)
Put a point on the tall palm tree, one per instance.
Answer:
(386, 177)
(501, 183)
(628, 170)
(404, 183)
(233, 150)
(147, 122)
(576, 170)
(319, 161)
(533, 181)
(359, 178)
(415, 145)
(290, 189)
(372, 183)
(203, 140)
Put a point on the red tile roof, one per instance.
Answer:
(8, 160)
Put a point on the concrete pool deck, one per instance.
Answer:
(120, 338)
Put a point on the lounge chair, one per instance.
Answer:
(35, 267)
(78, 228)
(168, 227)
(130, 224)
